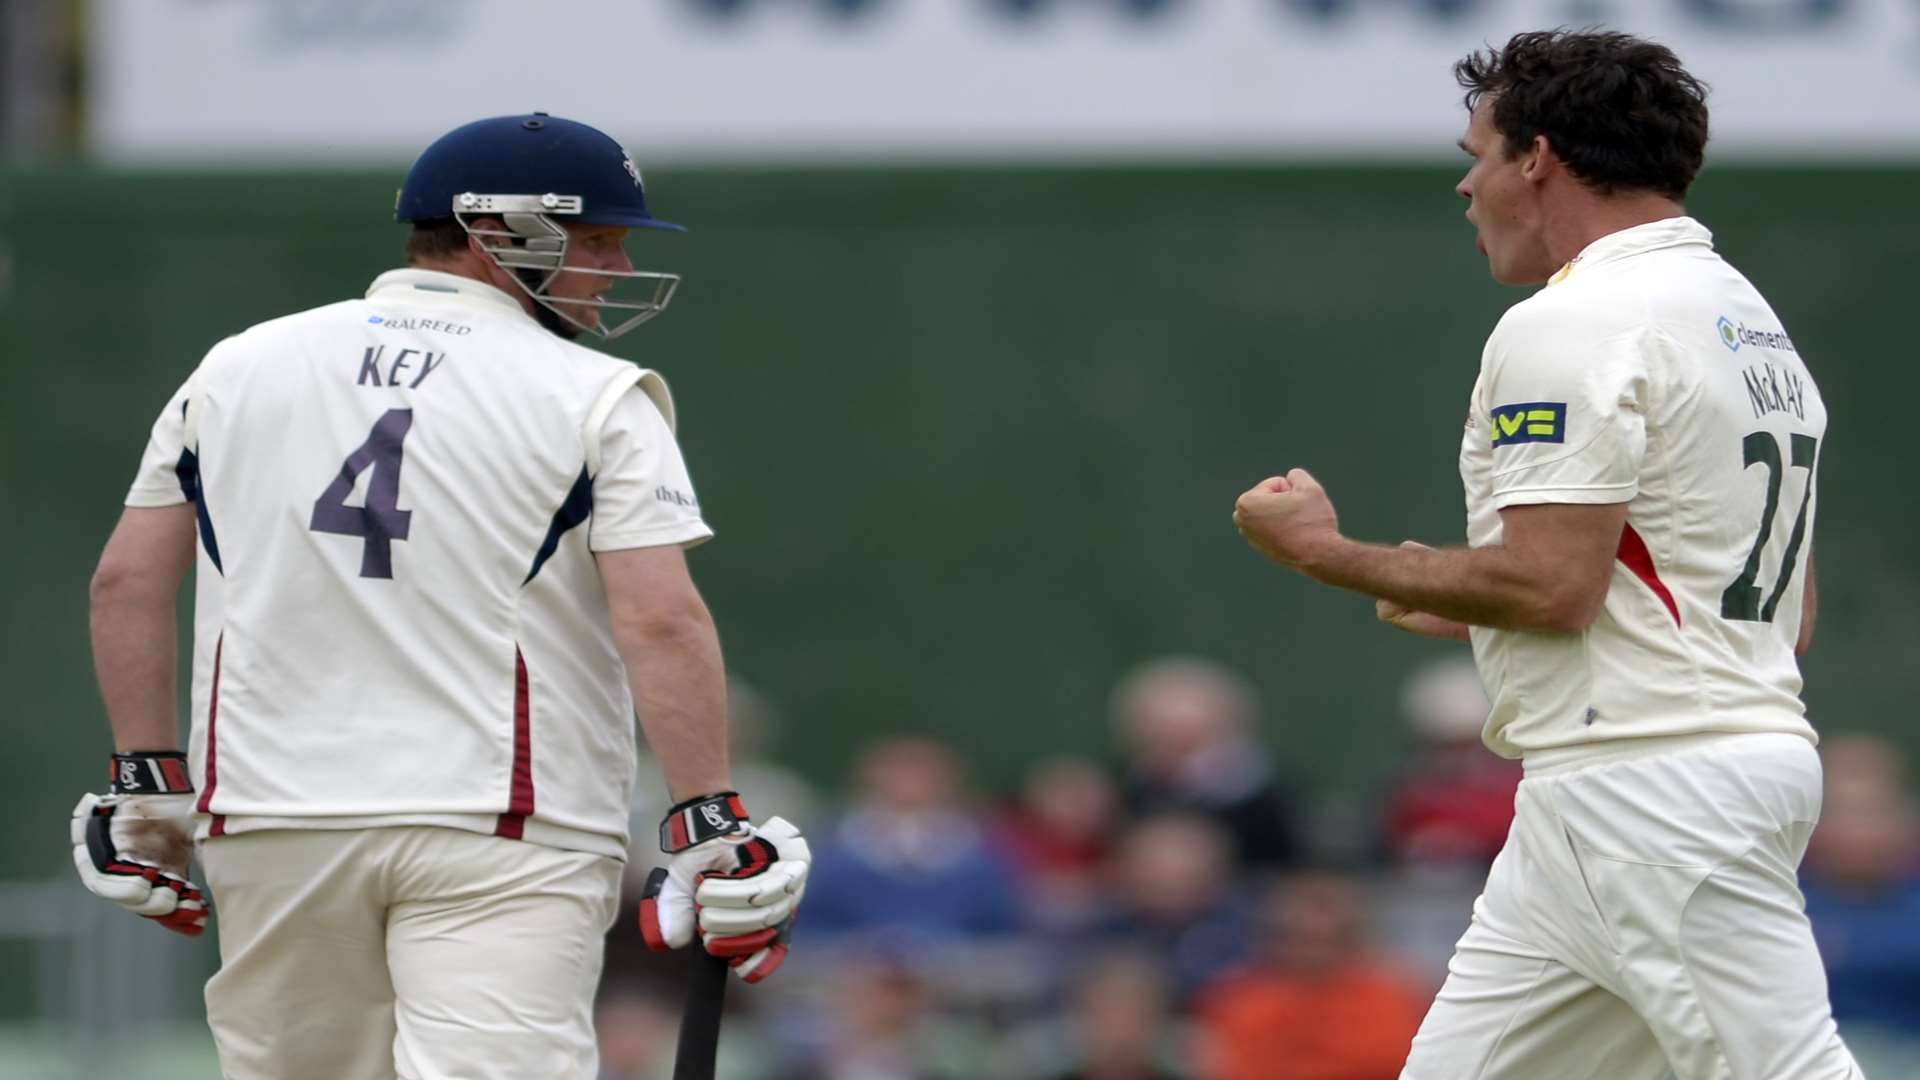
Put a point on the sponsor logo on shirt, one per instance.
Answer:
(666, 494)
(443, 327)
(1530, 421)
(1733, 335)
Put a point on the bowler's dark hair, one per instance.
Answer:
(1620, 111)
(433, 239)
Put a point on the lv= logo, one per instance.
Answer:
(1530, 421)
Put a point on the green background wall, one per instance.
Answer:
(970, 438)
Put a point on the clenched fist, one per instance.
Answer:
(1289, 519)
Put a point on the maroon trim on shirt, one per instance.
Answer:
(219, 826)
(513, 823)
(1634, 554)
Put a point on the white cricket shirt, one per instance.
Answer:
(398, 619)
(1652, 373)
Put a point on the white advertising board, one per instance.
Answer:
(207, 82)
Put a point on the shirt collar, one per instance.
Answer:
(1652, 236)
(415, 285)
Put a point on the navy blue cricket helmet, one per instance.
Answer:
(532, 174)
(530, 154)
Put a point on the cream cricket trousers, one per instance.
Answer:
(1644, 916)
(417, 952)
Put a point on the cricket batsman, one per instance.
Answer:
(439, 559)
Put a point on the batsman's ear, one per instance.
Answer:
(478, 244)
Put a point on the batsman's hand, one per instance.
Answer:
(1289, 519)
(735, 883)
(132, 845)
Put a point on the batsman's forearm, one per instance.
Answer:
(1484, 586)
(135, 649)
(680, 691)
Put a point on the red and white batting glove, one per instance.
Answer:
(737, 883)
(132, 845)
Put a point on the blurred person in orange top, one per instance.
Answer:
(1451, 803)
(1317, 1004)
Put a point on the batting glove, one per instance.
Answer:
(736, 883)
(132, 845)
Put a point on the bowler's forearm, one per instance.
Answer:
(1486, 586)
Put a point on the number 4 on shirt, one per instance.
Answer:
(380, 521)
(1742, 598)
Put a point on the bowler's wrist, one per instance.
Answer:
(1323, 558)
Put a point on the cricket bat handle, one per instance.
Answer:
(700, 1022)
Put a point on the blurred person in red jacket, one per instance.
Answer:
(1057, 835)
(1452, 802)
(1317, 1004)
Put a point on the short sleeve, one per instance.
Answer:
(642, 496)
(1564, 406)
(159, 481)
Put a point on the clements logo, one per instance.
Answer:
(1733, 336)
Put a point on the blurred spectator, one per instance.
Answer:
(1118, 1024)
(884, 1024)
(1188, 728)
(1452, 802)
(1174, 897)
(909, 857)
(1862, 884)
(1058, 836)
(768, 788)
(1316, 1005)
(636, 1030)
(637, 1025)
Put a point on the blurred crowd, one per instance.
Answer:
(1174, 909)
